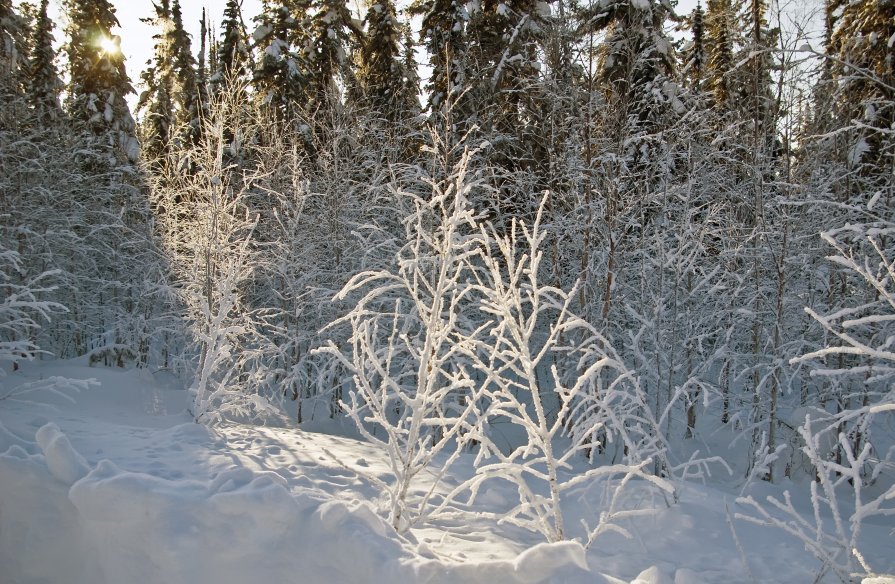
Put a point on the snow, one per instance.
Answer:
(66, 465)
(122, 487)
(276, 48)
(261, 32)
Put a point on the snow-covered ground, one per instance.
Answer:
(119, 486)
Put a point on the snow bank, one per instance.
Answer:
(41, 540)
(63, 521)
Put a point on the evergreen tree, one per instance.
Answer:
(504, 40)
(756, 90)
(44, 84)
(383, 75)
(233, 58)
(281, 72)
(333, 34)
(171, 96)
(443, 33)
(13, 51)
(202, 72)
(862, 41)
(721, 38)
(635, 53)
(98, 80)
(187, 96)
(411, 84)
(159, 80)
(695, 58)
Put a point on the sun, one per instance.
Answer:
(109, 45)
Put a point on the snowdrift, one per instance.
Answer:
(119, 486)
(61, 521)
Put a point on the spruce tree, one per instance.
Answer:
(13, 52)
(44, 84)
(233, 58)
(333, 34)
(202, 71)
(504, 39)
(721, 38)
(863, 44)
(99, 82)
(382, 74)
(159, 80)
(756, 90)
(695, 58)
(187, 95)
(635, 53)
(443, 33)
(281, 71)
(411, 82)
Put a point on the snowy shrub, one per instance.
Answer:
(588, 397)
(458, 336)
(413, 391)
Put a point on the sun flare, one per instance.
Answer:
(108, 45)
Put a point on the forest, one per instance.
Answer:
(541, 234)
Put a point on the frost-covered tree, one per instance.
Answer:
(406, 347)
(843, 494)
(550, 374)
(209, 233)
(23, 309)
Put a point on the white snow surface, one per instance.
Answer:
(122, 487)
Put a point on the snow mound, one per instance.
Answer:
(538, 563)
(652, 575)
(66, 465)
